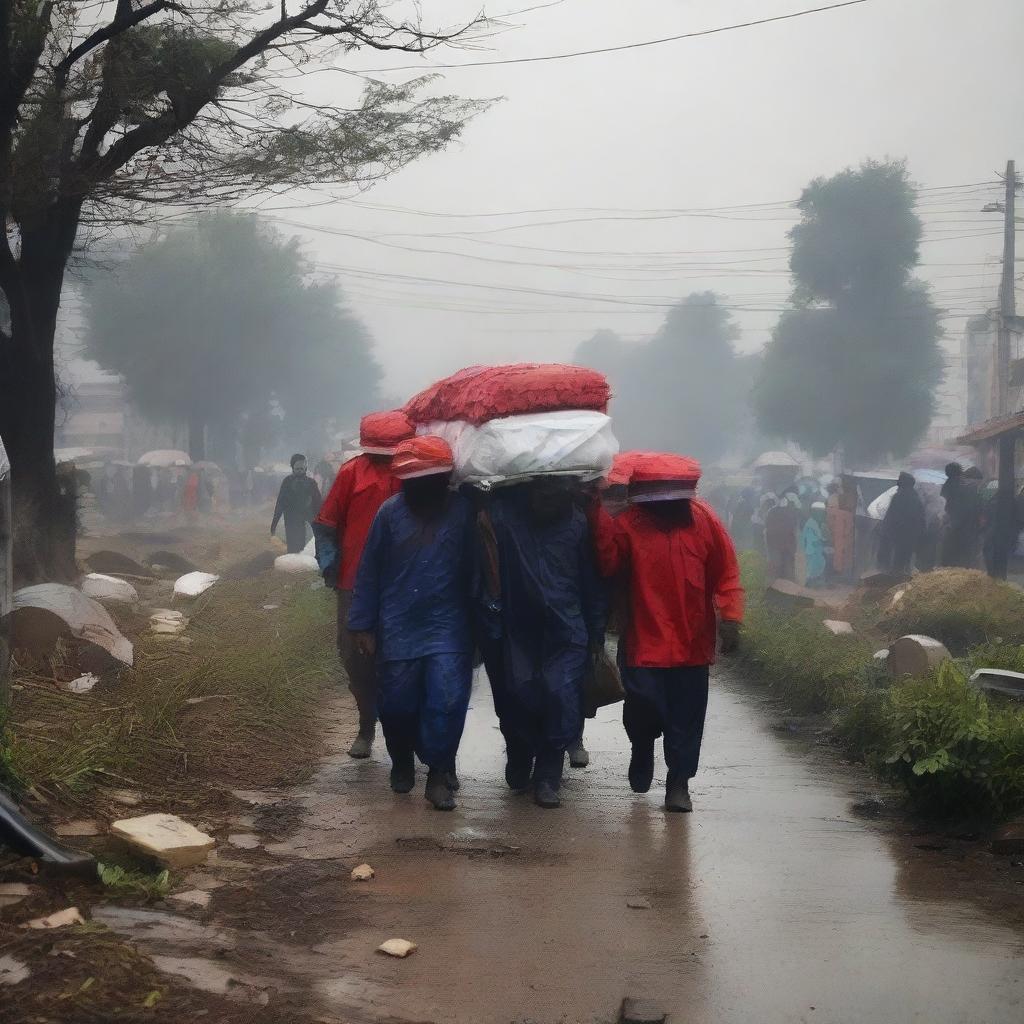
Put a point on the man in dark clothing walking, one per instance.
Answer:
(961, 535)
(298, 501)
(903, 526)
(548, 611)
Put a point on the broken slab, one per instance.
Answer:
(362, 873)
(47, 612)
(167, 622)
(916, 655)
(166, 837)
(192, 584)
(125, 797)
(72, 829)
(638, 903)
(641, 1011)
(837, 627)
(109, 588)
(999, 680)
(14, 892)
(62, 919)
(81, 684)
(399, 948)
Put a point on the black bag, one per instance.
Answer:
(602, 685)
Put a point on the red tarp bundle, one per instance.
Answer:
(481, 393)
(382, 432)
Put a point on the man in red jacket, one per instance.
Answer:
(362, 485)
(677, 564)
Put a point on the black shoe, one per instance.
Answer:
(677, 796)
(438, 792)
(518, 772)
(454, 784)
(362, 745)
(579, 756)
(545, 795)
(641, 767)
(403, 775)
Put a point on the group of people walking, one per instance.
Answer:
(429, 579)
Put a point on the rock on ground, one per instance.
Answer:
(172, 841)
(916, 655)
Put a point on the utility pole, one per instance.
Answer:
(1005, 524)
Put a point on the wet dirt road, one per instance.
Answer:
(771, 903)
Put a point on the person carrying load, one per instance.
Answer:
(412, 610)
(548, 612)
(678, 565)
(361, 486)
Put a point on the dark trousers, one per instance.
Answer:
(361, 669)
(295, 533)
(422, 703)
(672, 702)
(543, 717)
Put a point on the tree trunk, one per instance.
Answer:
(44, 515)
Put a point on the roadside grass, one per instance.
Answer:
(954, 751)
(232, 703)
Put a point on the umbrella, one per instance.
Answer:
(776, 460)
(165, 457)
(928, 481)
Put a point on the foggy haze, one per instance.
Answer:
(740, 118)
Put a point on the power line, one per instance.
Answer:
(614, 49)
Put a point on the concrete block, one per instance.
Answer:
(166, 837)
(838, 628)
(916, 655)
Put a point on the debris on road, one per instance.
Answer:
(62, 919)
(244, 841)
(167, 622)
(999, 680)
(192, 584)
(12, 971)
(48, 612)
(109, 588)
(638, 903)
(400, 948)
(362, 873)
(13, 892)
(837, 627)
(1010, 839)
(82, 684)
(74, 829)
(126, 797)
(114, 563)
(916, 655)
(296, 563)
(172, 841)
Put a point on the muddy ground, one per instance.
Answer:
(797, 891)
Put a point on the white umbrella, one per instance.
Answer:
(776, 460)
(163, 457)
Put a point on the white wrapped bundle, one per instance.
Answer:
(571, 441)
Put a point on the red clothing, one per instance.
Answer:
(676, 578)
(362, 485)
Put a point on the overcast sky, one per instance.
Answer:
(734, 119)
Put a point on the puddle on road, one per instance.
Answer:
(211, 977)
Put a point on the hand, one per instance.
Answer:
(366, 643)
(729, 635)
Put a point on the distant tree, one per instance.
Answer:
(856, 361)
(684, 389)
(216, 320)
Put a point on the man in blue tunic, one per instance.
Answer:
(412, 608)
(548, 611)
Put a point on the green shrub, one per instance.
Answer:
(960, 607)
(953, 750)
(129, 882)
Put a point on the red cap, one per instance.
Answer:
(422, 456)
(664, 477)
(380, 433)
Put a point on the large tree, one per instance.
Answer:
(217, 320)
(856, 360)
(682, 390)
(115, 103)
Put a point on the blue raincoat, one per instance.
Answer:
(552, 608)
(414, 591)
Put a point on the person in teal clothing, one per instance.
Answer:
(814, 539)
